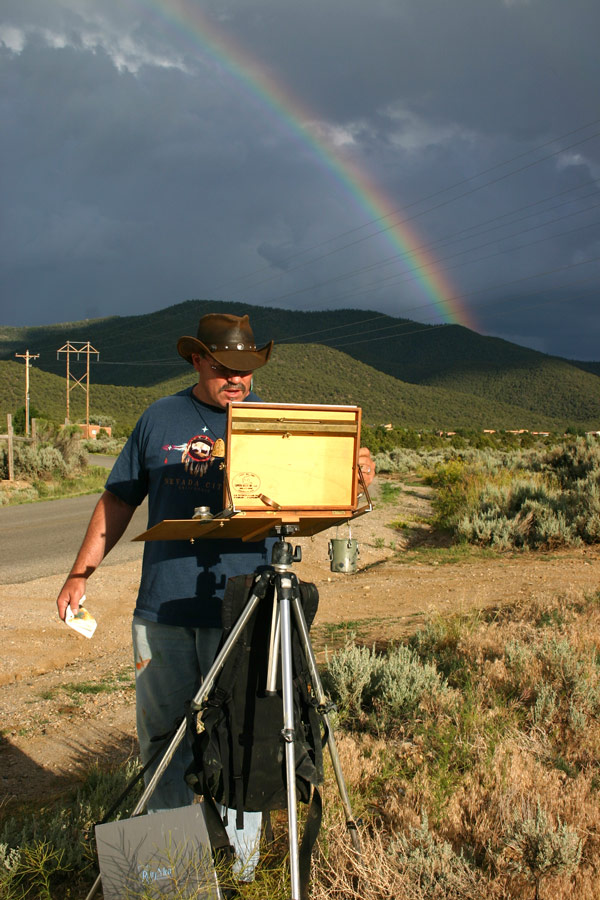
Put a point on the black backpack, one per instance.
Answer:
(239, 754)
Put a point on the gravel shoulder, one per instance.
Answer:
(68, 702)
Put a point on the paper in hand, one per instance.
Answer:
(82, 621)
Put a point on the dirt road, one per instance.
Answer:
(67, 702)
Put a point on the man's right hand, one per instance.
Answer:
(70, 595)
(109, 520)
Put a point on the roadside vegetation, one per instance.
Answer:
(55, 465)
(542, 497)
(471, 751)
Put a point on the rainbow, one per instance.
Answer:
(186, 17)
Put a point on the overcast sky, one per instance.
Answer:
(155, 151)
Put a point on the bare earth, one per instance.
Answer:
(53, 730)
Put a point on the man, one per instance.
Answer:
(174, 457)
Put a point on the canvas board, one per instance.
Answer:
(292, 457)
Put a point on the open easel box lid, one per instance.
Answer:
(295, 458)
(285, 464)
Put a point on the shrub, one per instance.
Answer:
(545, 704)
(104, 443)
(32, 462)
(516, 499)
(574, 461)
(381, 690)
(434, 865)
(537, 850)
(58, 453)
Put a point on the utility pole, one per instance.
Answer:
(84, 382)
(27, 356)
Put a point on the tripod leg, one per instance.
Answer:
(285, 591)
(274, 642)
(322, 701)
(205, 689)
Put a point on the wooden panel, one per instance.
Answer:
(292, 412)
(287, 457)
(286, 426)
(244, 526)
(295, 471)
(286, 465)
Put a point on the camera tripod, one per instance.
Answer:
(286, 604)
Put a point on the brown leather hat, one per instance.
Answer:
(229, 340)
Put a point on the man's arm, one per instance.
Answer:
(108, 522)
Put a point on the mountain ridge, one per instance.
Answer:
(436, 371)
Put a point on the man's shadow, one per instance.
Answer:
(26, 784)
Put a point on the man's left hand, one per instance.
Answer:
(366, 465)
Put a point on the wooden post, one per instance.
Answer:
(11, 458)
(34, 430)
(27, 356)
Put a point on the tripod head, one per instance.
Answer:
(282, 555)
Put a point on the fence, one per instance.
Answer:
(11, 437)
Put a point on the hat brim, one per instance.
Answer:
(240, 360)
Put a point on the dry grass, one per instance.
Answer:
(487, 791)
(500, 797)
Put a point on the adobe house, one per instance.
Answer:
(91, 432)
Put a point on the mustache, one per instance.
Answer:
(235, 386)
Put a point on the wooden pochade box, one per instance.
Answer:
(293, 458)
(285, 464)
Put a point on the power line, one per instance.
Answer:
(78, 347)
(405, 221)
(410, 276)
(414, 203)
(496, 287)
(27, 356)
(433, 328)
(407, 325)
(404, 277)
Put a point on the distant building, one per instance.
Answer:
(91, 432)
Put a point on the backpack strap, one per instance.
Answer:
(219, 839)
(311, 831)
(237, 593)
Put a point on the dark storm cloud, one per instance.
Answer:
(497, 67)
(138, 171)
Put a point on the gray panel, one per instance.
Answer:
(158, 855)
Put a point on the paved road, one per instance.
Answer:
(39, 539)
(98, 459)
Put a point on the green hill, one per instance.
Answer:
(301, 373)
(593, 367)
(399, 371)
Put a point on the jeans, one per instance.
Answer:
(170, 662)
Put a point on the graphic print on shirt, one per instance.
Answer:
(198, 453)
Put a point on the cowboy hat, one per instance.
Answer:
(228, 340)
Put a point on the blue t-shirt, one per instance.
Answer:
(174, 458)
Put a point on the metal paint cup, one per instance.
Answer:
(343, 553)
(202, 512)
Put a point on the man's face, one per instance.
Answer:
(217, 385)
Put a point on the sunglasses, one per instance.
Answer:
(225, 372)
